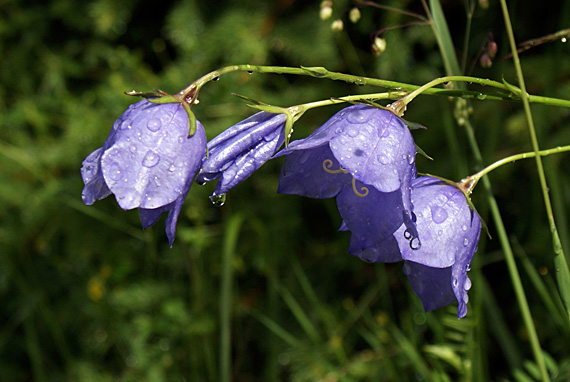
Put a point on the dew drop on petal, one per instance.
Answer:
(415, 243)
(133, 149)
(455, 282)
(464, 227)
(352, 132)
(358, 117)
(154, 124)
(157, 181)
(465, 242)
(151, 159)
(438, 214)
(383, 159)
(172, 168)
(467, 284)
(468, 267)
(115, 171)
(180, 139)
(411, 159)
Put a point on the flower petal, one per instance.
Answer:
(372, 220)
(432, 285)
(375, 146)
(247, 163)
(303, 173)
(441, 211)
(95, 186)
(152, 157)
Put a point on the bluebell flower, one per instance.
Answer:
(148, 161)
(449, 231)
(241, 149)
(364, 157)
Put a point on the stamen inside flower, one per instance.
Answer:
(327, 164)
(363, 189)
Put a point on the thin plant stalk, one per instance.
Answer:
(562, 271)
(448, 52)
(230, 241)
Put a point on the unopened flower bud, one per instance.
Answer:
(492, 49)
(337, 25)
(354, 15)
(378, 46)
(326, 10)
(485, 61)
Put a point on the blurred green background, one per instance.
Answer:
(87, 295)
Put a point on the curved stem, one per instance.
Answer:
(320, 72)
(473, 179)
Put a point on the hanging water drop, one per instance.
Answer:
(415, 243)
(218, 200)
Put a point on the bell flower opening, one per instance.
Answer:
(360, 152)
(450, 232)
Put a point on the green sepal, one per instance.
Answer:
(165, 99)
(315, 71)
(191, 119)
(512, 88)
(420, 151)
(414, 125)
(255, 102)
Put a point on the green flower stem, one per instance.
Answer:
(472, 180)
(506, 93)
(353, 98)
(441, 31)
(560, 263)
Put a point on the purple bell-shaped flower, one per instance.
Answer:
(148, 161)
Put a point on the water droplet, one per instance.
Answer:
(415, 243)
(218, 200)
(157, 181)
(464, 227)
(468, 267)
(481, 96)
(133, 149)
(115, 171)
(180, 139)
(358, 117)
(440, 233)
(467, 284)
(455, 282)
(172, 168)
(154, 124)
(563, 39)
(465, 242)
(338, 130)
(151, 159)
(125, 125)
(411, 159)
(352, 132)
(438, 214)
(199, 183)
(383, 159)
(216, 78)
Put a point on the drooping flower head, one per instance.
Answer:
(362, 155)
(148, 161)
(241, 149)
(450, 231)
